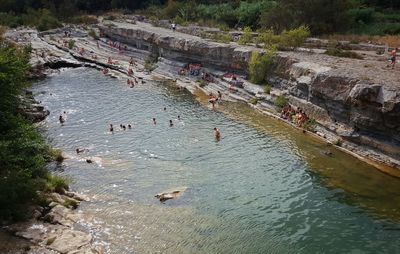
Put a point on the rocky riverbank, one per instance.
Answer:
(354, 101)
(52, 229)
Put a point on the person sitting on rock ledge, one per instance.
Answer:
(105, 71)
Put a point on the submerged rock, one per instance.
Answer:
(163, 196)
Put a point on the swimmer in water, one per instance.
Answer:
(78, 151)
(154, 121)
(179, 117)
(120, 126)
(217, 134)
(165, 108)
(129, 126)
(111, 128)
(170, 123)
(61, 119)
(124, 127)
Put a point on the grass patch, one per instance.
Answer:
(267, 89)
(310, 125)
(253, 101)
(202, 82)
(150, 63)
(71, 44)
(338, 142)
(281, 101)
(57, 183)
(93, 34)
(334, 51)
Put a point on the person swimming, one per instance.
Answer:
(61, 119)
(129, 126)
(217, 134)
(165, 108)
(78, 151)
(170, 123)
(154, 121)
(124, 127)
(111, 128)
(179, 117)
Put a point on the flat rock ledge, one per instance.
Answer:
(53, 228)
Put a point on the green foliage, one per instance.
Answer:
(246, 37)
(253, 101)
(222, 37)
(150, 63)
(295, 37)
(23, 152)
(281, 101)
(259, 65)
(71, 44)
(56, 183)
(42, 19)
(338, 142)
(56, 154)
(335, 51)
(267, 89)
(83, 19)
(310, 125)
(202, 82)
(93, 34)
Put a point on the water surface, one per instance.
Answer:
(264, 188)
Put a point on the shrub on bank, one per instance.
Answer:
(334, 51)
(23, 152)
(259, 65)
(246, 37)
(267, 89)
(281, 101)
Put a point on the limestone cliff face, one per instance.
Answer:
(188, 48)
(336, 92)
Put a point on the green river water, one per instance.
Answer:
(264, 188)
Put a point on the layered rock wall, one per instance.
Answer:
(344, 95)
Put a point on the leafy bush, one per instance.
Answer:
(267, 89)
(253, 101)
(71, 44)
(338, 142)
(268, 38)
(222, 37)
(259, 66)
(334, 51)
(246, 37)
(23, 152)
(310, 125)
(281, 101)
(202, 82)
(150, 63)
(84, 19)
(57, 183)
(295, 37)
(93, 34)
(42, 19)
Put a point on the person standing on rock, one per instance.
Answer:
(173, 27)
(393, 56)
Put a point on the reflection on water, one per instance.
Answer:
(264, 188)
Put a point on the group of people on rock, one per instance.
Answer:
(296, 116)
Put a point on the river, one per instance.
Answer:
(264, 188)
